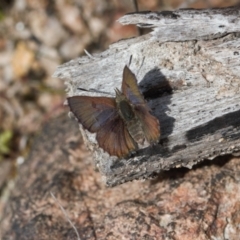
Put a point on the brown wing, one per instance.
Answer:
(150, 123)
(130, 88)
(92, 112)
(115, 139)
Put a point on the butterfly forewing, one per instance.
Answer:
(92, 112)
(130, 88)
(150, 124)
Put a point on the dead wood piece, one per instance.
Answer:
(188, 70)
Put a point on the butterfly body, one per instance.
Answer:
(121, 123)
(126, 111)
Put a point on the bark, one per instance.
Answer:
(188, 70)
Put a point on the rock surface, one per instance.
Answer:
(202, 203)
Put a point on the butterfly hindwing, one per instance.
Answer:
(115, 139)
(150, 123)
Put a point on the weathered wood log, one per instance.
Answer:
(188, 70)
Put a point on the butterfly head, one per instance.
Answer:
(119, 96)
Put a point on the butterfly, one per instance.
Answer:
(121, 124)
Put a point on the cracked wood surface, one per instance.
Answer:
(188, 70)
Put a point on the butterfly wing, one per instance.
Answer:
(150, 123)
(130, 88)
(92, 112)
(100, 115)
(115, 139)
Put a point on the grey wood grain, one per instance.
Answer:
(188, 70)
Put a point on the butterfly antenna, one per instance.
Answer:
(93, 90)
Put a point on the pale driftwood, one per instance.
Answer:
(188, 68)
